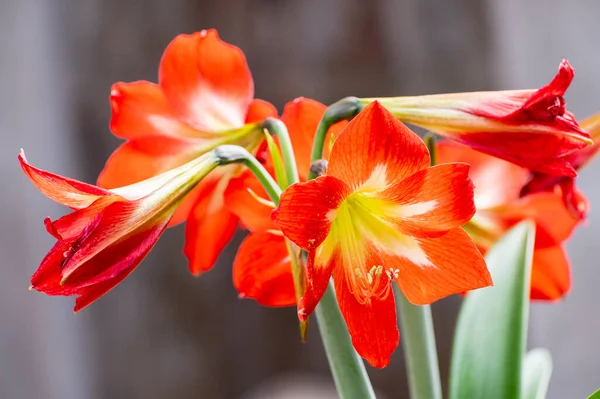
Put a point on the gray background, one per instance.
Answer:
(164, 334)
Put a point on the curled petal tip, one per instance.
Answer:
(31, 288)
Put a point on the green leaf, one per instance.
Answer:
(489, 342)
(537, 370)
(595, 395)
(277, 161)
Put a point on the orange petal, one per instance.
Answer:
(254, 215)
(303, 214)
(433, 200)
(372, 326)
(496, 181)
(209, 228)
(259, 110)
(456, 266)
(317, 278)
(206, 81)
(378, 148)
(262, 270)
(550, 273)
(141, 109)
(63, 190)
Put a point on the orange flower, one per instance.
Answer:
(499, 207)
(506, 124)
(381, 214)
(573, 199)
(110, 231)
(204, 98)
(262, 269)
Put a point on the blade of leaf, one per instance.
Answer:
(280, 175)
(489, 341)
(537, 369)
(595, 395)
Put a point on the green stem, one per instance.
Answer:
(418, 341)
(429, 140)
(346, 108)
(277, 128)
(228, 154)
(349, 373)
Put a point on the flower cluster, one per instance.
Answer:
(385, 209)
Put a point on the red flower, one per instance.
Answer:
(497, 186)
(110, 231)
(506, 124)
(204, 98)
(262, 269)
(381, 214)
(573, 199)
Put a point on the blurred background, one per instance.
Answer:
(165, 334)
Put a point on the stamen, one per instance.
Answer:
(260, 200)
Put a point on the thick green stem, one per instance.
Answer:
(420, 354)
(277, 128)
(349, 374)
(346, 108)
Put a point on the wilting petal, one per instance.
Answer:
(318, 273)
(302, 116)
(306, 210)
(496, 181)
(209, 228)
(550, 273)
(206, 81)
(141, 109)
(376, 150)
(262, 270)
(63, 190)
(455, 266)
(254, 214)
(372, 326)
(259, 110)
(433, 200)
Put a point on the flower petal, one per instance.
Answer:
(496, 181)
(550, 273)
(302, 116)
(254, 215)
(304, 214)
(206, 81)
(376, 150)
(141, 109)
(455, 266)
(63, 190)
(209, 228)
(372, 326)
(262, 270)
(433, 200)
(318, 274)
(259, 110)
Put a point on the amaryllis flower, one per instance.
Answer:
(381, 214)
(204, 98)
(262, 267)
(572, 198)
(499, 207)
(109, 232)
(506, 124)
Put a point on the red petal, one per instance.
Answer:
(317, 278)
(433, 200)
(456, 266)
(206, 81)
(496, 181)
(262, 270)
(63, 190)
(255, 216)
(550, 274)
(372, 326)
(303, 214)
(302, 116)
(259, 110)
(375, 145)
(141, 109)
(209, 228)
